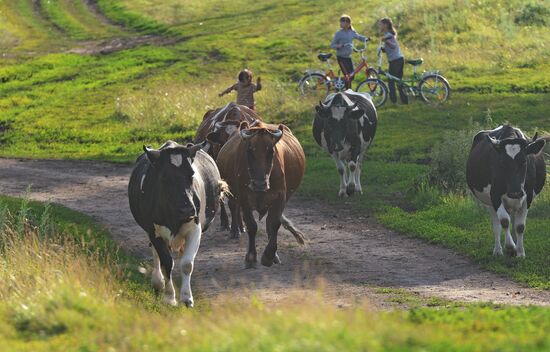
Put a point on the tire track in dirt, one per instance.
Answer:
(353, 256)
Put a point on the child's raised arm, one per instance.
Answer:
(258, 84)
(228, 90)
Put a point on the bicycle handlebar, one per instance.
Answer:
(356, 49)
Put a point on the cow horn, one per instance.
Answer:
(217, 126)
(247, 134)
(193, 149)
(351, 108)
(535, 136)
(323, 105)
(277, 134)
(152, 154)
(493, 141)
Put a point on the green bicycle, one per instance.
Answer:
(430, 86)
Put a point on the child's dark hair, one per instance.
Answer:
(389, 24)
(347, 18)
(245, 75)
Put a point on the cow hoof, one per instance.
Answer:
(157, 281)
(250, 265)
(277, 260)
(188, 302)
(234, 234)
(224, 227)
(350, 189)
(342, 193)
(520, 253)
(497, 251)
(266, 261)
(250, 261)
(170, 300)
(510, 251)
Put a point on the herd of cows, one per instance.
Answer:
(175, 191)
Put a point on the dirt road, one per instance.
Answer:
(352, 255)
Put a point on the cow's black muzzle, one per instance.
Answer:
(515, 195)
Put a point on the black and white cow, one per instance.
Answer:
(174, 193)
(345, 126)
(505, 171)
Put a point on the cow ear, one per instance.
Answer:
(192, 150)
(356, 114)
(321, 112)
(535, 137)
(244, 126)
(494, 142)
(153, 155)
(213, 137)
(535, 147)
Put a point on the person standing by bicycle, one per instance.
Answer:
(395, 58)
(342, 42)
(245, 89)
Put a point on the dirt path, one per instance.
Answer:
(352, 255)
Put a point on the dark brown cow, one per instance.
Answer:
(263, 165)
(223, 122)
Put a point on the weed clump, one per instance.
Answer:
(533, 15)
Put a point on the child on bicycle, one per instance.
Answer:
(342, 42)
(395, 57)
(245, 89)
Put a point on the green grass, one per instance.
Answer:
(59, 292)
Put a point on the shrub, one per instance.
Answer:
(533, 15)
(447, 170)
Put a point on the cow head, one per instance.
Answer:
(512, 156)
(174, 183)
(260, 150)
(335, 116)
(220, 135)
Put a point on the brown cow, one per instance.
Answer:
(263, 165)
(223, 122)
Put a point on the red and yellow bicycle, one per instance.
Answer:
(316, 83)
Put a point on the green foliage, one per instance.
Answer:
(447, 170)
(534, 15)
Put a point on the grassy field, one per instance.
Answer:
(65, 287)
(55, 104)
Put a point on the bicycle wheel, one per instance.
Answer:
(376, 89)
(314, 85)
(434, 89)
(372, 73)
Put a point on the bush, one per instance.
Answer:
(533, 15)
(447, 170)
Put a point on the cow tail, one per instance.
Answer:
(287, 224)
(224, 190)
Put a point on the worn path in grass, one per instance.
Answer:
(352, 255)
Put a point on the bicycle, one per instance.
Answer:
(317, 82)
(431, 86)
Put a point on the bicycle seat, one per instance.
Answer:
(415, 62)
(324, 57)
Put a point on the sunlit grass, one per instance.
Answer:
(59, 293)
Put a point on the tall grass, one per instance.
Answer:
(58, 294)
